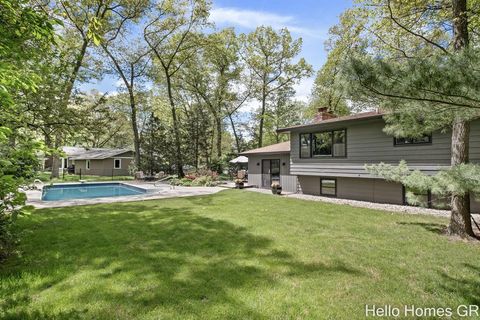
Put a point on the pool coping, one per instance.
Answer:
(140, 189)
(34, 197)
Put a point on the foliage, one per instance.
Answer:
(269, 57)
(458, 180)
(415, 60)
(27, 34)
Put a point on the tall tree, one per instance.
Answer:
(212, 76)
(269, 56)
(27, 35)
(171, 34)
(415, 60)
(130, 62)
(85, 23)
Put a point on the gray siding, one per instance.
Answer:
(368, 144)
(373, 190)
(103, 167)
(288, 182)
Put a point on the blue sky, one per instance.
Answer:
(309, 19)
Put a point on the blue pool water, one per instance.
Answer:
(89, 190)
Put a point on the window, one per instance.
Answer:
(117, 163)
(426, 139)
(323, 144)
(328, 187)
(305, 145)
(88, 165)
(65, 162)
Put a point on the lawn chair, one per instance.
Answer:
(241, 174)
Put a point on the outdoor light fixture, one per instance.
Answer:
(283, 163)
(258, 163)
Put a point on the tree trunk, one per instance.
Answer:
(67, 93)
(262, 115)
(237, 140)
(56, 160)
(218, 123)
(460, 219)
(176, 130)
(136, 137)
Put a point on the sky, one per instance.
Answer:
(308, 19)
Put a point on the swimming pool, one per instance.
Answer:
(89, 190)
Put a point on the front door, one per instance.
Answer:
(270, 172)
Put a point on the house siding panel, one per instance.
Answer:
(368, 144)
(287, 181)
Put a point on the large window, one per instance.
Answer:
(328, 187)
(323, 144)
(426, 139)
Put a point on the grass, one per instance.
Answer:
(233, 255)
(45, 177)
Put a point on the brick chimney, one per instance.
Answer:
(323, 114)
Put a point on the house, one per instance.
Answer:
(327, 157)
(96, 161)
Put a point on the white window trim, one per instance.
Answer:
(115, 159)
(87, 164)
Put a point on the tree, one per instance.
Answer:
(328, 90)
(27, 35)
(212, 76)
(171, 34)
(416, 60)
(269, 56)
(130, 63)
(85, 24)
(283, 111)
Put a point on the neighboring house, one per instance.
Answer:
(96, 161)
(328, 158)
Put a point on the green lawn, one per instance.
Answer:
(45, 177)
(233, 255)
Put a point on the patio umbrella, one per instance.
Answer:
(240, 159)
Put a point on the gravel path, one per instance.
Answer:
(363, 204)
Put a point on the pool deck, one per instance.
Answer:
(34, 197)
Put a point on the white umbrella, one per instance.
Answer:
(240, 159)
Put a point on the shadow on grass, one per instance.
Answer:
(432, 227)
(466, 287)
(144, 258)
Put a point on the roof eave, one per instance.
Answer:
(288, 129)
(266, 152)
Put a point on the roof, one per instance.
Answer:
(356, 116)
(77, 153)
(282, 147)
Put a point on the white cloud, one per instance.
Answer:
(250, 19)
(303, 89)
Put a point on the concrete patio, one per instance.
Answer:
(159, 191)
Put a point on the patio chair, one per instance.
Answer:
(241, 174)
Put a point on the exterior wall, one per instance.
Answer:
(368, 144)
(103, 167)
(288, 182)
(373, 190)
